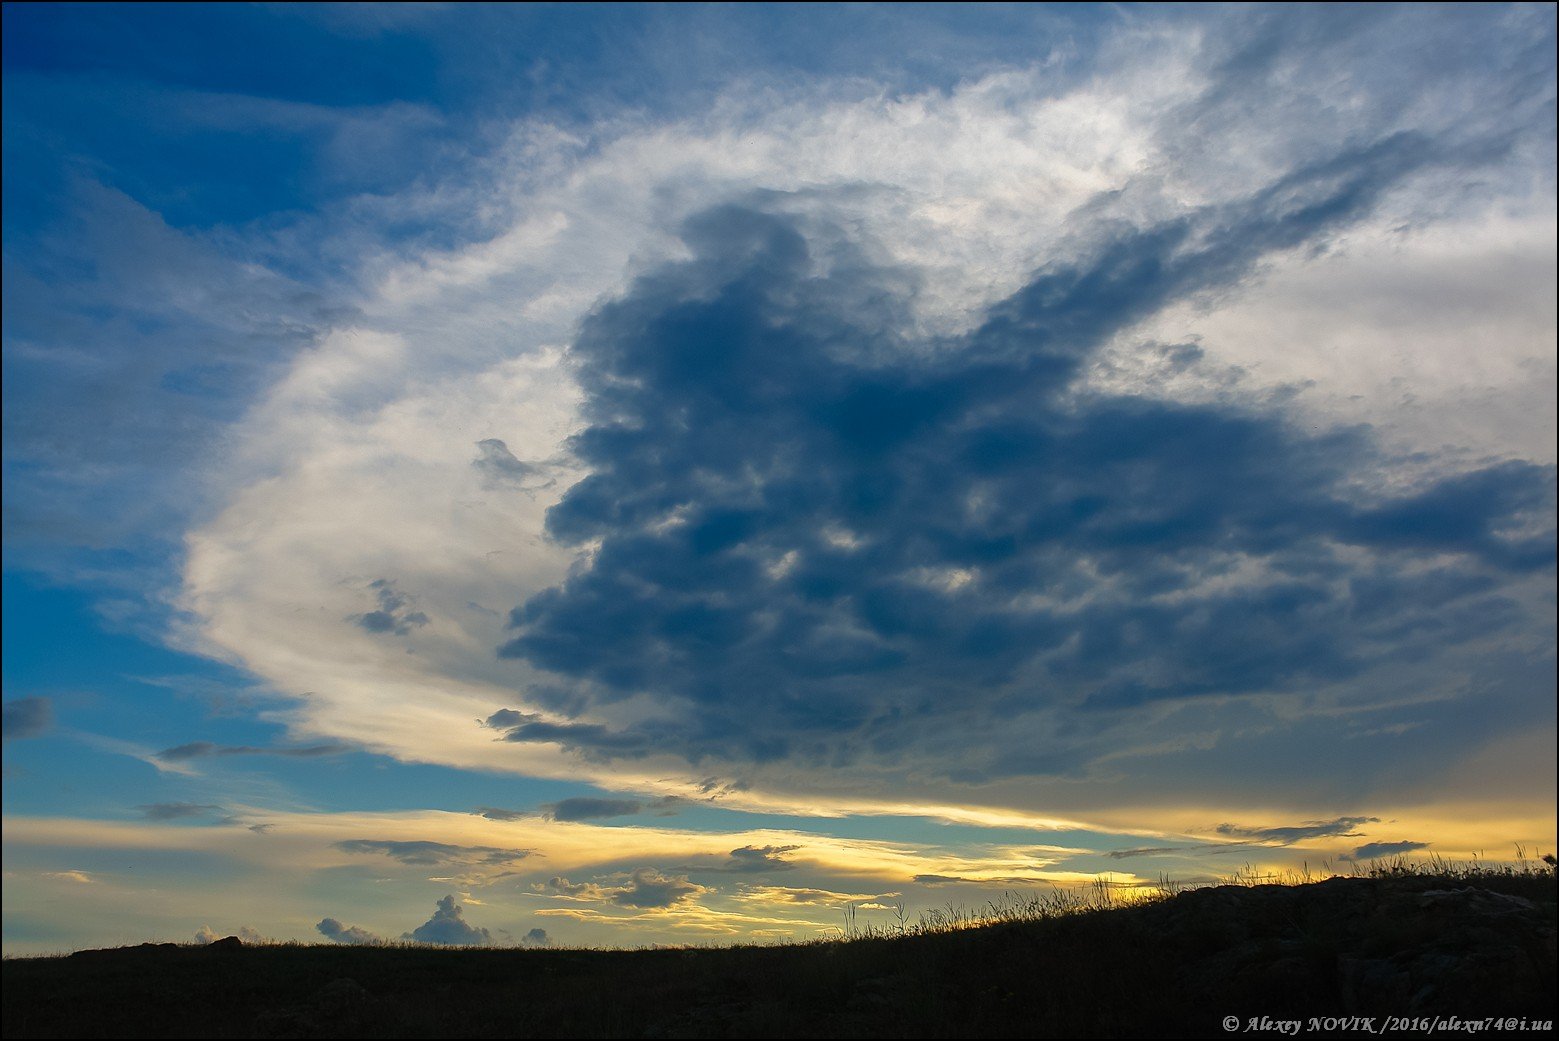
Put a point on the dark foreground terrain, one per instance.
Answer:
(1406, 946)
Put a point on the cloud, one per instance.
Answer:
(648, 889)
(448, 927)
(351, 935)
(583, 809)
(393, 615)
(495, 813)
(760, 858)
(79, 877)
(434, 854)
(983, 880)
(246, 934)
(643, 888)
(590, 808)
(1143, 851)
(169, 811)
(118, 382)
(499, 467)
(563, 887)
(802, 895)
(1287, 836)
(26, 717)
(586, 808)
(203, 749)
(536, 938)
(590, 739)
(813, 528)
(1377, 850)
(946, 447)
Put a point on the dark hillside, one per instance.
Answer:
(1394, 946)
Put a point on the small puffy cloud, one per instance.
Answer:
(434, 854)
(394, 615)
(449, 928)
(204, 749)
(205, 934)
(338, 932)
(1376, 850)
(27, 717)
(536, 938)
(172, 811)
(1287, 836)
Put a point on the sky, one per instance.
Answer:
(614, 475)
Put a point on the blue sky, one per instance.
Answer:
(661, 474)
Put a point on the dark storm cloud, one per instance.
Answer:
(1287, 836)
(352, 935)
(433, 854)
(203, 749)
(26, 717)
(830, 536)
(394, 614)
(536, 938)
(172, 811)
(449, 928)
(1376, 850)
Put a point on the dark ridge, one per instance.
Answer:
(1322, 954)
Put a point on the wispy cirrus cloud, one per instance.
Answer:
(172, 811)
(1290, 834)
(27, 717)
(434, 854)
(208, 749)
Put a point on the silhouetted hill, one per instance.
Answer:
(1396, 946)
